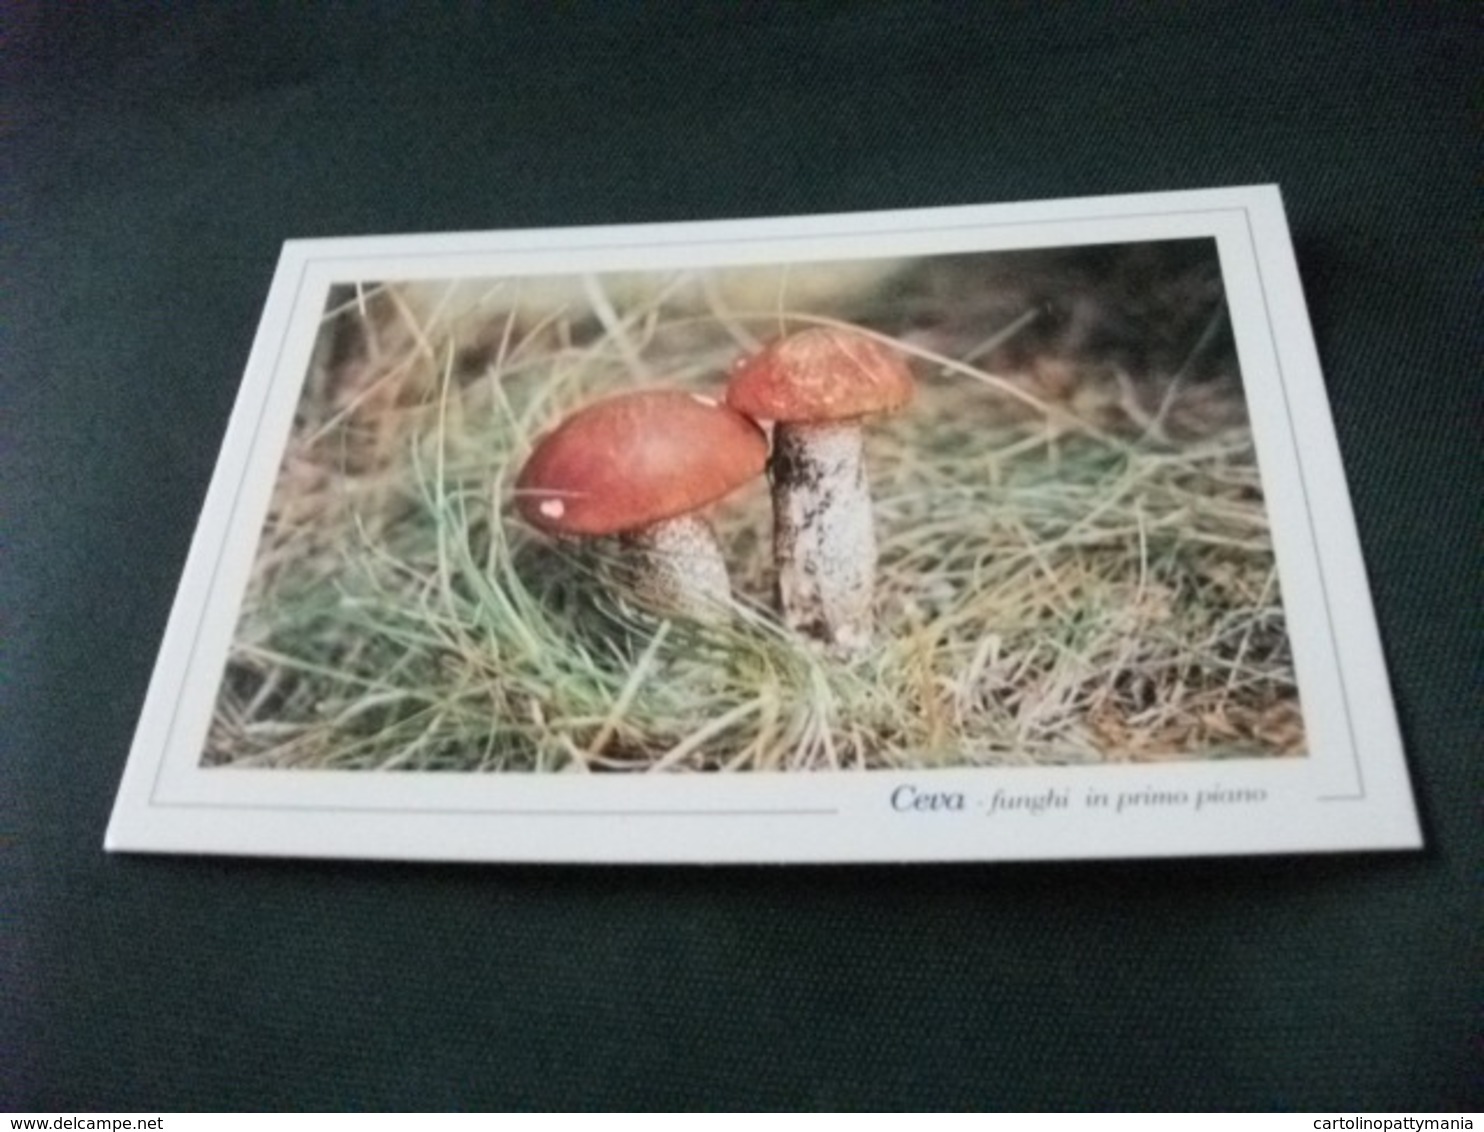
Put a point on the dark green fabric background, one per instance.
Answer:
(154, 160)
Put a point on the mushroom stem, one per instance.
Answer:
(678, 568)
(824, 539)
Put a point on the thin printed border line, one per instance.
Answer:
(231, 524)
(723, 241)
(1294, 447)
(534, 812)
(1329, 619)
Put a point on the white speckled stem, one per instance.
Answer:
(678, 568)
(824, 538)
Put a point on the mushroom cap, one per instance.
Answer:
(628, 461)
(821, 374)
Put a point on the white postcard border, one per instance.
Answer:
(1351, 792)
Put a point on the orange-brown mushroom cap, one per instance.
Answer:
(635, 459)
(821, 374)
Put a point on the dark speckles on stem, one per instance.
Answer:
(790, 466)
(823, 539)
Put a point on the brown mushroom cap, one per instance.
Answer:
(821, 374)
(632, 460)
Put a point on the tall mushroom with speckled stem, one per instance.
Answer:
(643, 466)
(819, 387)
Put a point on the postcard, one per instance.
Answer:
(978, 533)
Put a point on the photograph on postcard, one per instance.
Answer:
(988, 509)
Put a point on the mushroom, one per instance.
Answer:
(818, 386)
(641, 466)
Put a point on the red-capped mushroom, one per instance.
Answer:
(642, 466)
(818, 386)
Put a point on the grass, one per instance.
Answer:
(1081, 579)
